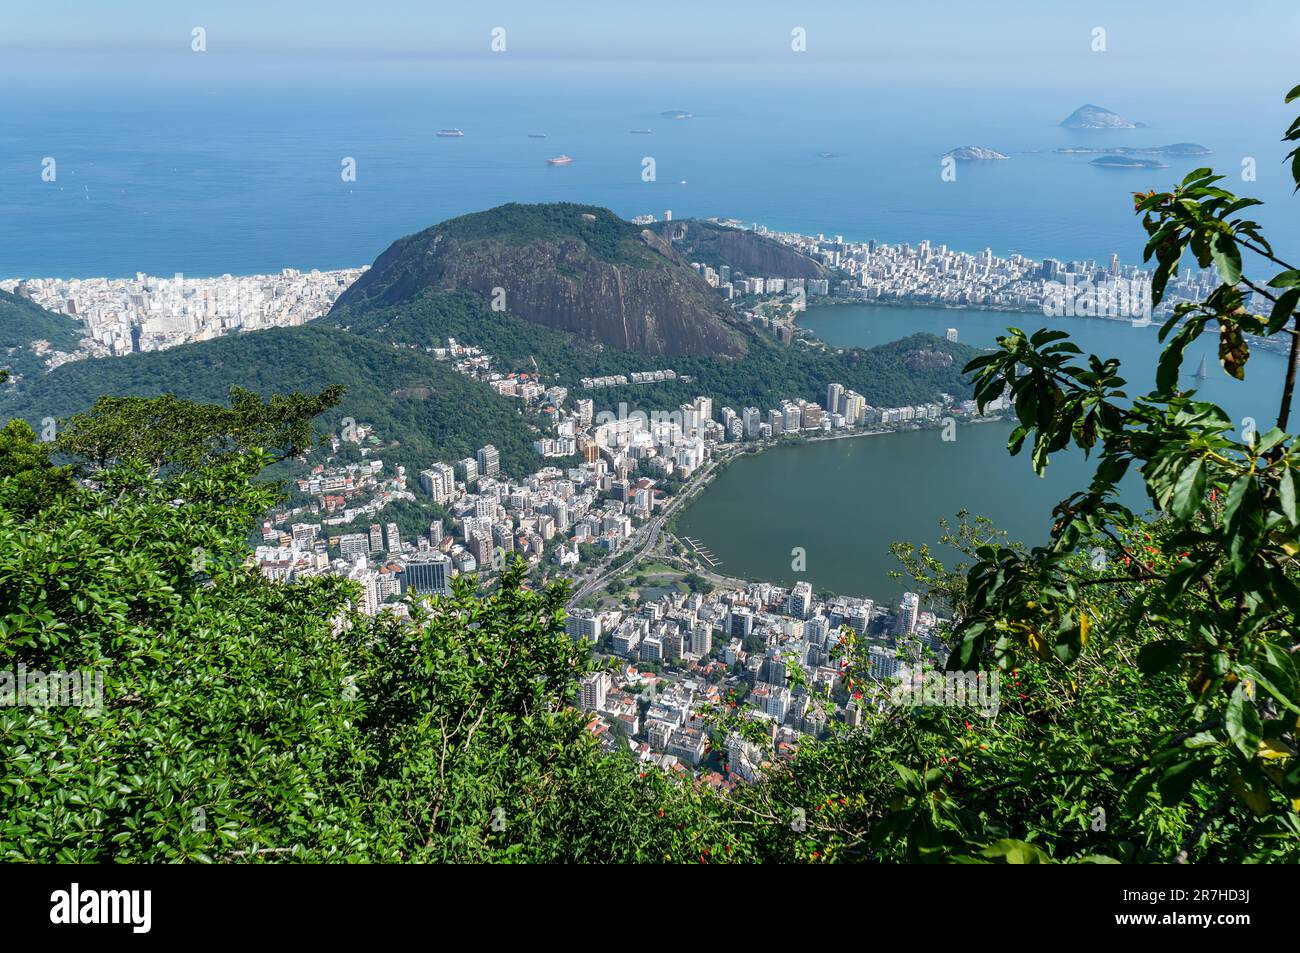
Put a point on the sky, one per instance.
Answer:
(931, 39)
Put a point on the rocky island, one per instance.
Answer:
(1127, 162)
(1089, 116)
(973, 154)
(1174, 149)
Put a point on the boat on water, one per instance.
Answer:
(642, 132)
(537, 135)
(1203, 371)
(559, 160)
(450, 133)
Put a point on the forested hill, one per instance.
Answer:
(915, 369)
(577, 268)
(433, 412)
(23, 322)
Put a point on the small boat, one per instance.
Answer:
(1203, 371)
(559, 160)
(537, 135)
(450, 133)
(642, 132)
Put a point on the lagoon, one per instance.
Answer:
(844, 501)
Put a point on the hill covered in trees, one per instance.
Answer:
(887, 375)
(576, 268)
(426, 407)
(23, 322)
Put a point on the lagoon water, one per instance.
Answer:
(845, 501)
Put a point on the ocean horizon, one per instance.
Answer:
(211, 177)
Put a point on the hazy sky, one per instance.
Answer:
(980, 33)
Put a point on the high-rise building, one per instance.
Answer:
(908, 610)
(593, 691)
(376, 538)
(392, 538)
(353, 545)
(834, 399)
(489, 461)
(799, 603)
(583, 625)
(740, 623)
(428, 576)
(702, 639)
(481, 546)
(855, 406)
(469, 470)
(439, 481)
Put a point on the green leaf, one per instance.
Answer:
(1288, 491)
(1283, 309)
(1286, 279)
(1227, 258)
(1189, 490)
(1242, 722)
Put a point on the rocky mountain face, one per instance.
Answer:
(744, 251)
(570, 267)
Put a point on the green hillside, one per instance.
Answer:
(768, 373)
(456, 417)
(21, 323)
(607, 237)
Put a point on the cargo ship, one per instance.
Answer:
(450, 133)
(559, 160)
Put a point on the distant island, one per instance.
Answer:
(1174, 149)
(973, 154)
(1127, 162)
(677, 114)
(1094, 117)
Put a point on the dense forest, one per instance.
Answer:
(450, 416)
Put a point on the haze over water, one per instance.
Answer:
(208, 173)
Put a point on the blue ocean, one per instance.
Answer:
(221, 173)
